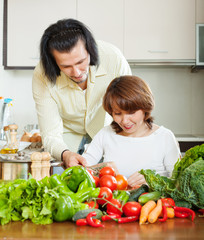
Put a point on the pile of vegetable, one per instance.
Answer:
(142, 206)
(81, 196)
(187, 182)
(60, 197)
(55, 198)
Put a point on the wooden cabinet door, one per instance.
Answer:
(105, 18)
(159, 29)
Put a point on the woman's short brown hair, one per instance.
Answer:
(129, 93)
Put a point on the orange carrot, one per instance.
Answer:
(146, 209)
(154, 214)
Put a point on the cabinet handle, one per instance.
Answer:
(158, 51)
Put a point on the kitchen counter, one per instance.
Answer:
(176, 228)
(187, 141)
(189, 138)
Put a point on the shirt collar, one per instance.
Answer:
(63, 80)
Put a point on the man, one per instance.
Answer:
(68, 87)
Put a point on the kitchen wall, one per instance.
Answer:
(179, 94)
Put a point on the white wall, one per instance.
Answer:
(179, 97)
(179, 94)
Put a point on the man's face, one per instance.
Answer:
(75, 64)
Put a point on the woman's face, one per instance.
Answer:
(130, 123)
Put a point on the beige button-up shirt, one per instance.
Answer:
(65, 111)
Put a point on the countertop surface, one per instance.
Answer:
(172, 229)
(189, 138)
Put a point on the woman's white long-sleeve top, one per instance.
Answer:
(158, 151)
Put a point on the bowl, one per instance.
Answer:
(23, 145)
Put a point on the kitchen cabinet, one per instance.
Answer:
(104, 18)
(26, 22)
(199, 11)
(144, 30)
(159, 30)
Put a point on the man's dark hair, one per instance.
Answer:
(63, 36)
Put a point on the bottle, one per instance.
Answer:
(8, 115)
(6, 148)
(13, 134)
(11, 145)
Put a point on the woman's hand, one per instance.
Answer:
(136, 180)
(71, 159)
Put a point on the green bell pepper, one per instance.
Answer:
(86, 194)
(57, 182)
(121, 195)
(75, 175)
(83, 185)
(64, 209)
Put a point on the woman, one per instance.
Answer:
(132, 141)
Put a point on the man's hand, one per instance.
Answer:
(136, 180)
(71, 159)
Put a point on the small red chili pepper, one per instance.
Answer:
(185, 210)
(127, 219)
(97, 221)
(110, 217)
(81, 222)
(164, 212)
(91, 221)
(181, 214)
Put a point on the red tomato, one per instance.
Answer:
(122, 182)
(92, 204)
(112, 209)
(104, 193)
(168, 202)
(108, 181)
(106, 171)
(96, 179)
(132, 209)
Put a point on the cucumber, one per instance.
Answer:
(149, 196)
(134, 194)
(83, 213)
(183, 204)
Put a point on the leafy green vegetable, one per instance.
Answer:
(189, 186)
(191, 183)
(25, 199)
(43, 201)
(158, 183)
(192, 155)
